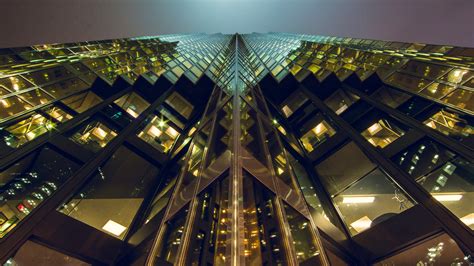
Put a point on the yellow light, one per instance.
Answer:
(30, 135)
(114, 228)
(161, 123)
(154, 131)
(172, 132)
(280, 171)
(468, 219)
(361, 224)
(373, 129)
(319, 129)
(99, 133)
(447, 197)
(357, 199)
(132, 112)
(5, 103)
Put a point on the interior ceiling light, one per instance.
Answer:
(447, 197)
(361, 224)
(114, 228)
(357, 199)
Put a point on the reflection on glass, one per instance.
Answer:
(451, 124)
(443, 174)
(437, 90)
(222, 138)
(172, 237)
(31, 253)
(180, 104)
(252, 249)
(26, 130)
(14, 84)
(223, 227)
(462, 99)
(317, 135)
(440, 250)
(340, 100)
(390, 97)
(111, 198)
(159, 133)
(11, 106)
(66, 87)
(28, 182)
(303, 241)
(132, 103)
(408, 82)
(36, 97)
(382, 133)
(458, 76)
(58, 114)
(427, 70)
(93, 135)
(295, 101)
(48, 75)
(371, 200)
(250, 133)
(82, 102)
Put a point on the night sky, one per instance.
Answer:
(26, 22)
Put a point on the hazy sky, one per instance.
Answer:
(25, 22)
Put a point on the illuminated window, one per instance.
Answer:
(180, 104)
(94, 135)
(340, 100)
(82, 102)
(26, 130)
(295, 101)
(11, 106)
(382, 133)
(14, 84)
(159, 133)
(318, 134)
(462, 99)
(450, 124)
(437, 90)
(458, 76)
(58, 114)
(133, 104)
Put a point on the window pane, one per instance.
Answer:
(28, 182)
(132, 103)
(66, 87)
(462, 99)
(48, 75)
(390, 97)
(441, 250)
(426, 70)
(159, 133)
(340, 100)
(437, 90)
(11, 106)
(371, 200)
(15, 83)
(452, 124)
(32, 253)
(82, 102)
(173, 235)
(111, 198)
(318, 134)
(408, 82)
(449, 178)
(180, 104)
(93, 135)
(382, 133)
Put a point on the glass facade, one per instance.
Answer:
(242, 149)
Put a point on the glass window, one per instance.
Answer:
(28, 182)
(390, 97)
(437, 90)
(132, 103)
(36, 97)
(173, 236)
(452, 124)
(440, 250)
(58, 114)
(66, 87)
(93, 135)
(32, 253)
(82, 102)
(462, 99)
(340, 100)
(295, 101)
(371, 200)
(303, 240)
(14, 83)
(48, 75)
(443, 174)
(111, 198)
(26, 130)
(11, 106)
(382, 133)
(180, 104)
(159, 133)
(408, 82)
(426, 70)
(458, 76)
(321, 131)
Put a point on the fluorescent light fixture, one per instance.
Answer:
(154, 131)
(361, 224)
(468, 219)
(114, 228)
(132, 112)
(357, 199)
(447, 197)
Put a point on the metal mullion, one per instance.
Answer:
(13, 241)
(460, 232)
(415, 124)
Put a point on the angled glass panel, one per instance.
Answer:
(111, 198)
(28, 182)
(159, 133)
(93, 135)
(132, 103)
(82, 102)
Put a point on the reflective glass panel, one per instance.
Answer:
(93, 135)
(159, 133)
(132, 103)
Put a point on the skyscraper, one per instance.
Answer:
(253, 149)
